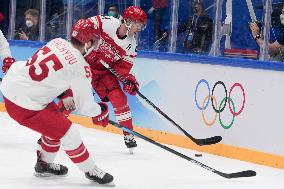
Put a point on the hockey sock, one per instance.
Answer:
(48, 149)
(123, 116)
(76, 150)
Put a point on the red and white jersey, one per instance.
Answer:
(4, 47)
(53, 69)
(118, 52)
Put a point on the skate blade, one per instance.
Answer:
(131, 150)
(48, 175)
(111, 184)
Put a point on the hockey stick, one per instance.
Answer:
(200, 142)
(248, 173)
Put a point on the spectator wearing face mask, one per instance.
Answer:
(198, 29)
(275, 49)
(31, 29)
(113, 11)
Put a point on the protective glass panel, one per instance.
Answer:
(56, 16)
(195, 26)
(115, 8)
(84, 9)
(237, 39)
(4, 16)
(159, 16)
(277, 31)
(27, 20)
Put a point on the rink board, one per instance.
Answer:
(182, 87)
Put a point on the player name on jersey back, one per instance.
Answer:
(49, 72)
(65, 50)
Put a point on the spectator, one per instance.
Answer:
(158, 8)
(113, 11)
(198, 28)
(275, 49)
(31, 28)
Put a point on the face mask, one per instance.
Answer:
(29, 23)
(128, 26)
(282, 18)
(113, 14)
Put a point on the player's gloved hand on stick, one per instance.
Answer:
(66, 103)
(103, 118)
(7, 62)
(132, 86)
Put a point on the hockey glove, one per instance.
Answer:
(131, 86)
(7, 63)
(103, 118)
(66, 103)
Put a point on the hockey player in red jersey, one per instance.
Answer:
(118, 50)
(29, 89)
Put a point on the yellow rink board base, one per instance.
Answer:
(224, 150)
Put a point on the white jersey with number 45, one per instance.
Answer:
(53, 69)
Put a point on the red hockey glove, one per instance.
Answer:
(103, 118)
(66, 103)
(132, 86)
(7, 62)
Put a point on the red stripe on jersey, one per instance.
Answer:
(98, 18)
(127, 61)
(133, 56)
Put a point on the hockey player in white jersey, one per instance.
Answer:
(29, 89)
(5, 53)
(118, 50)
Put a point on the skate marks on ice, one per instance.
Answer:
(149, 166)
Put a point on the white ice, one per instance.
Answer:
(149, 167)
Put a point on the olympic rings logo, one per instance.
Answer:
(221, 108)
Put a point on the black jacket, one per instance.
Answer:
(201, 28)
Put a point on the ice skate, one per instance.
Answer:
(130, 142)
(43, 169)
(99, 176)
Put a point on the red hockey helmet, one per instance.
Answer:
(135, 14)
(84, 30)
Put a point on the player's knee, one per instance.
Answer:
(72, 138)
(117, 98)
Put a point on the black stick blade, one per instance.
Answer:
(248, 173)
(208, 141)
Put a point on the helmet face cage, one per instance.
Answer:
(135, 15)
(129, 23)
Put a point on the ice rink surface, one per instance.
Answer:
(150, 167)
